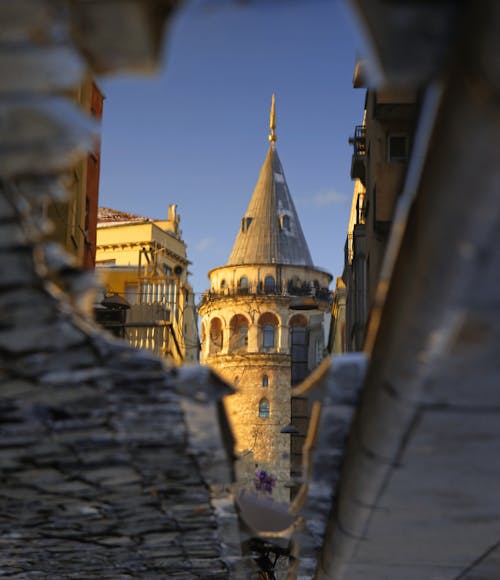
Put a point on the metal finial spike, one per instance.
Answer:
(272, 122)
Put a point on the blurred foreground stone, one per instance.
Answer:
(98, 476)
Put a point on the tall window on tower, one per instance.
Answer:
(268, 324)
(268, 341)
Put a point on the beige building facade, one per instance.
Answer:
(382, 145)
(262, 329)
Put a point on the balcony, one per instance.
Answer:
(359, 154)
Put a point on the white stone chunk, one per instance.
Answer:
(28, 67)
(40, 135)
(41, 188)
(134, 42)
(59, 336)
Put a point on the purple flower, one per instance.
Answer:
(264, 481)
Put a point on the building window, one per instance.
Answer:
(215, 336)
(264, 409)
(265, 381)
(284, 222)
(268, 324)
(245, 223)
(269, 285)
(238, 340)
(299, 348)
(397, 148)
(243, 336)
(268, 336)
(243, 285)
(223, 285)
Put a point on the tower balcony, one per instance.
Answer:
(305, 292)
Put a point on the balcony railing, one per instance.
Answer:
(306, 289)
(359, 141)
(359, 154)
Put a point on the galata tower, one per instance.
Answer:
(262, 330)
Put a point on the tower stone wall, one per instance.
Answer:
(262, 330)
(238, 343)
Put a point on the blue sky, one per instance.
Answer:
(196, 134)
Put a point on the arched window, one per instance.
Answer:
(268, 324)
(265, 381)
(269, 285)
(238, 338)
(264, 409)
(216, 336)
(223, 285)
(243, 285)
(298, 321)
(294, 286)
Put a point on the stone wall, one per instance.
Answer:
(258, 439)
(243, 358)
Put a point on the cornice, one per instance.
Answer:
(138, 246)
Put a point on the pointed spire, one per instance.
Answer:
(272, 121)
(270, 231)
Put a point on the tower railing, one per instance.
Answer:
(292, 290)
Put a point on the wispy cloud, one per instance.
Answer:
(323, 198)
(205, 244)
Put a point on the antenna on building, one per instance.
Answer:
(272, 121)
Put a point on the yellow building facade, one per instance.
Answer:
(145, 262)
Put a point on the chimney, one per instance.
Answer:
(173, 218)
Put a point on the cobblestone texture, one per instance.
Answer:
(95, 478)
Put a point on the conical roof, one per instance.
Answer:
(270, 231)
